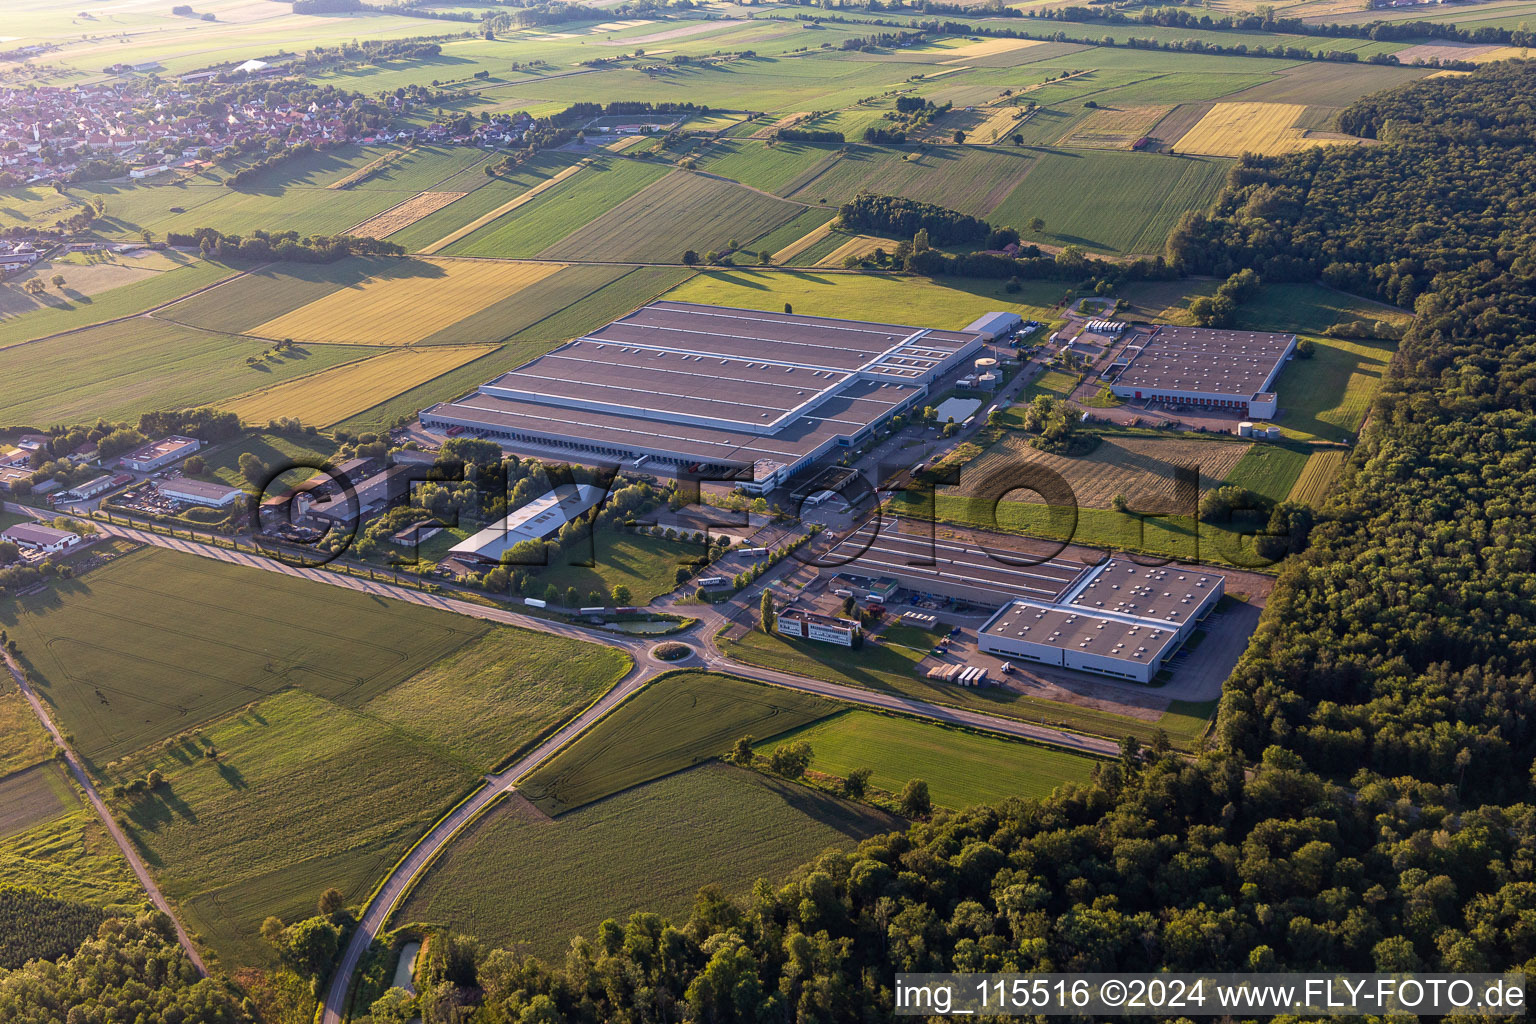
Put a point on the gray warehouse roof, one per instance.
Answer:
(1201, 359)
(916, 560)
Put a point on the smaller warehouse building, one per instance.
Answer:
(536, 520)
(34, 537)
(369, 497)
(1122, 620)
(157, 454)
(992, 326)
(199, 492)
(1199, 366)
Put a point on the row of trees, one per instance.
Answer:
(906, 217)
(261, 245)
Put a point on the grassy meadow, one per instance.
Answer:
(157, 642)
(961, 768)
(680, 720)
(516, 877)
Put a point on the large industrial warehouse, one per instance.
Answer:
(735, 393)
(1233, 370)
(1118, 618)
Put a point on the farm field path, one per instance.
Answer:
(84, 780)
(150, 312)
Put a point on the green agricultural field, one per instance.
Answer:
(1180, 537)
(1051, 382)
(564, 208)
(601, 306)
(891, 666)
(302, 795)
(792, 231)
(309, 211)
(680, 720)
(484, 196)
(305, 793)
(1108, 201)
(35, 204)
(646, 565)
(1313, 309)
(158, 642)
(518, 877)
(965, 178)
(961, 768)
(681, 211)
(120, 370)
(68, 314)
(422, 169)
(1269, 469)
(1328, 84)
(1300, 308)
(772, 168)
(948, 303)
(71, 857)
(491, 700)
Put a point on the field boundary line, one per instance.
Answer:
(500, 211)
(105, 814)
(380, 353)
(143, 312)
(803, 243)
(403, 202)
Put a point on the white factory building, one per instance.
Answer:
(536, 520)
(1120, 619)
(728, 394)
(1221, 369)
(36, 537)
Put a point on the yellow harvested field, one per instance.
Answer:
(621, 144)
(502, 210)
(858, 245)
(1113, 128)
(1145, 471)
(997, 124)
(404, 215)
(987, 48)
(803, 243)
(1232, 129)
(405, 307)
(330, 396)
(1317, 477)
(787, 121)
(1502, 53)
